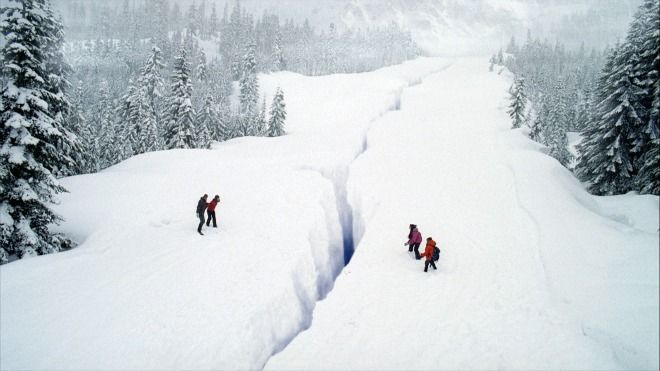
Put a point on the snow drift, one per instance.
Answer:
(534, 272)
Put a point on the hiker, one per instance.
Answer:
(428, 254)
(414, 240)
(210, 211)
(201, 206)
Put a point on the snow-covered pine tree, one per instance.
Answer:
(143, 134)
(193, 20)
(179, 120)
(103, 142)
(80, 127)
(536, 132)
(249, 86)
(518, 103)
(29, 134)
(636, 73)
(277, 115)
(122, 148)
(556, 125)
(57, 72)
(214, 25)
(279, 63)
(201, 70)
(648, 177)
(207, 120)
(223, 129)
(201, 19)
(261, 125)
(151, 82)
(241, 126)
(235, 67)
(605, 162)
(329, 51)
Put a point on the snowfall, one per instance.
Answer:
(534, 273)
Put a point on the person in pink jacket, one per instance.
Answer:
(414, 240)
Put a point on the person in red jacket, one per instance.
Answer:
(428, 254)
(210, 211)
(414, 240)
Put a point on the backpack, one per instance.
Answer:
(436, 254)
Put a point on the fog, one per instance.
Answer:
(440, 27)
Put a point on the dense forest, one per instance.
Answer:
(611, 98)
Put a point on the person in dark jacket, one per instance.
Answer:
(210, 211)
(201, 206)
(428, 254)
(414, 240)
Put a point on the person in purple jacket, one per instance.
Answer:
(414, 240)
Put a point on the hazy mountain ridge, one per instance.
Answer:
(449, 27)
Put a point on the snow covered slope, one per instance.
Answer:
(534, 272)
(144, 291)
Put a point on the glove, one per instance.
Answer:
(405, 244)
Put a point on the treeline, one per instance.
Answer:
(302, 48)
(191, 109)
(129, 64)
(620, 151)
(558, 83)
(615, 108)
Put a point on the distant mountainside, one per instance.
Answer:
(449, 27)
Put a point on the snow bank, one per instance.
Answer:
(144, 291)
(534, 272)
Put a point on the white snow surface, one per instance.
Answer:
(535, 273)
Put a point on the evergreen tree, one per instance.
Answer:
(518, 102)
(223, 129)
(179, 121)
(277, 115)
(249, 86)
(126, 114)
(279, 64)
(261, 126)
(193, 21)
(104, 140)
(556, 125)
(143, 134)
(29, 134)
(537, 129)
(201, 70)
(648, 180)
(151, 83)
(605, 161)
(241, 126)
(207, 120)
(79, 126)
(57, 72)
(214, 25)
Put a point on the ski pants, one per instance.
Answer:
(414, 246)
(426, 265)
(211, 214)
(201, 222)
